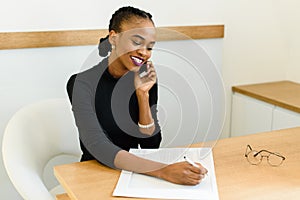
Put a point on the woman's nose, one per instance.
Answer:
(142, 52)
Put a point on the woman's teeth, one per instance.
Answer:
(137, 61)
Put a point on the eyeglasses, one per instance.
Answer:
(255, 157)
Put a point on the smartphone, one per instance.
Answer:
(143, 71)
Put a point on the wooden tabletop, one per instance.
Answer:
(285, 94)
(236, 178)
(62, 197)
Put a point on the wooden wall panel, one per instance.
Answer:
(17, 40)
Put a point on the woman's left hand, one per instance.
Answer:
(145, 83)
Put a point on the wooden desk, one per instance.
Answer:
(236, 178)
(62, 197)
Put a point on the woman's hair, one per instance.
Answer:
(122, 15)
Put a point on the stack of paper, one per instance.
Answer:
(137, 185)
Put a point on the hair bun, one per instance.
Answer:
(104, 46)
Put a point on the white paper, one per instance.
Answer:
(137, 185)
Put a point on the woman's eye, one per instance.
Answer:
(136, 42)
(149, 48)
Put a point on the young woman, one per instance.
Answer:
(115, 108)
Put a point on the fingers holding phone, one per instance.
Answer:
(146, 76)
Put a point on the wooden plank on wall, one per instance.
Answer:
(17, 40)
(190, 32)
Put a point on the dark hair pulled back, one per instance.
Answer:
(122, 15)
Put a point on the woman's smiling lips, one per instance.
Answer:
(137, 61)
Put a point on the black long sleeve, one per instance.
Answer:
(106, 114)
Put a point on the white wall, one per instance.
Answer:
(261, 41)
(290, 23)
(262, 37)
(68, 14)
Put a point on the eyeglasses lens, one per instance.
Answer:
(274, 160)
(254, 159)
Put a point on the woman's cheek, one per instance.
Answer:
(127, 49)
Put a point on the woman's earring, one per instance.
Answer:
(113, 46)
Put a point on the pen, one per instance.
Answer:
(190, 161)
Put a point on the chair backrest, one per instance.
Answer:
(37, 137)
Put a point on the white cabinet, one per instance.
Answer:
(283, 118)
(250, 115)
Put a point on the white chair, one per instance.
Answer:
(36, 138)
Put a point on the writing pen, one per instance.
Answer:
(190, 161)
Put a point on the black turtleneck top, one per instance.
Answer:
(106, 113)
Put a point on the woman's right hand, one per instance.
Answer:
(180, 173)
(183, 173)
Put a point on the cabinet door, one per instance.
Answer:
(283, 118)
(250, 115)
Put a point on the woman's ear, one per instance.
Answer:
(112, 37)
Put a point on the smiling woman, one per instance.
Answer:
(115, 109)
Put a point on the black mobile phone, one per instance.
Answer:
(143, 71)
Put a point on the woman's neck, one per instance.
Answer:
(116, 68)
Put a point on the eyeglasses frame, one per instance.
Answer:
(262, 156)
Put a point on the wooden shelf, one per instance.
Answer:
(17, 40)
(285, 94)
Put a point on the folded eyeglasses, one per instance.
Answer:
(255, 157)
